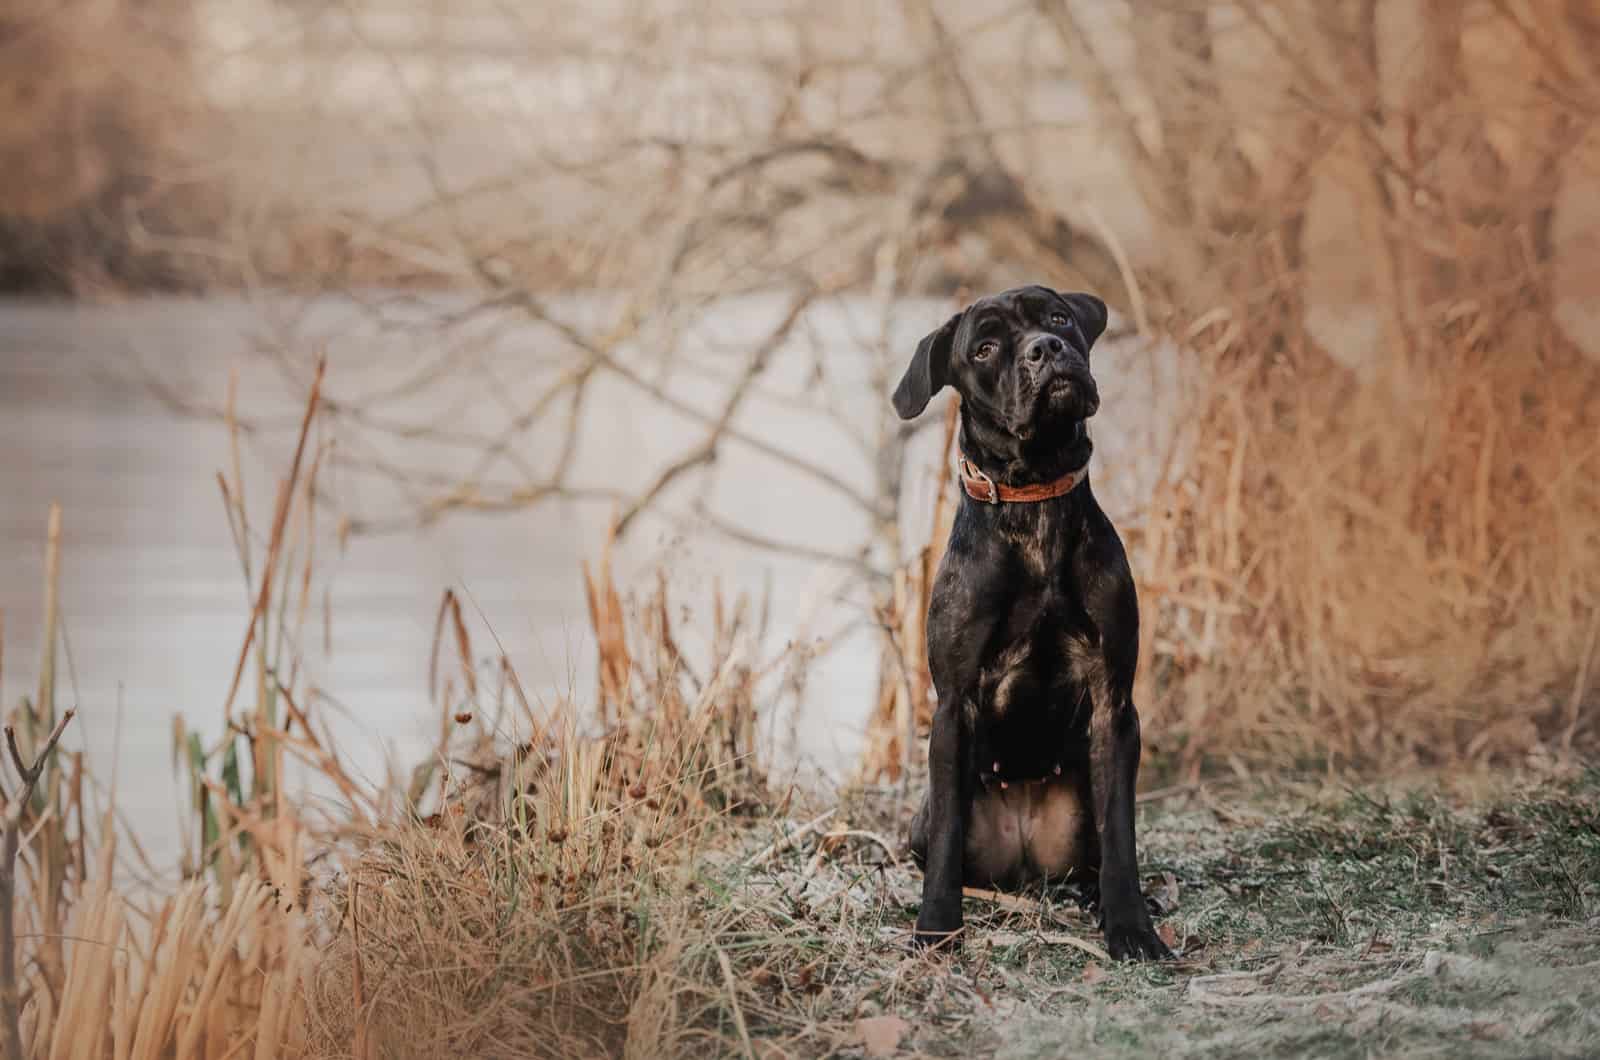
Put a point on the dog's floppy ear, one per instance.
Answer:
(928, 371)
(1089, 312)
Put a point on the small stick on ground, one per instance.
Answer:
(1157, 794)
(15, 807)
(859, 833)
(1018, 904)
(1048, 938)
(778, 846)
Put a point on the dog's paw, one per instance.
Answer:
(1136, 942)
(937, 929)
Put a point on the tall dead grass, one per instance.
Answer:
(541, 924)
(1374, 540)
(540, 911)
(1361, 225)
(1373, 536)
(1364, 227)
(213, 969)
(530, 896)
(1393, 570)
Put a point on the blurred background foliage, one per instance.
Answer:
(1366, 228)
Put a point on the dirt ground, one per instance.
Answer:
(1433, 917)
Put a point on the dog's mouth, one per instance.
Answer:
(1065, 394)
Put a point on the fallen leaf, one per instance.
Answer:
(1093, 973)
(880, 1035)
(1165, 893)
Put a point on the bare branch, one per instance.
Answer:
(706, 451)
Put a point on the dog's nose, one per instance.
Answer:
(1044, 346)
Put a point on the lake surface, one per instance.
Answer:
(152, 599)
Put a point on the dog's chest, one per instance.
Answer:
(1037, 669)
(1035, 696)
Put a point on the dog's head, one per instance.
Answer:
(1019, 360)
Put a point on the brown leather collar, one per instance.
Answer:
(981, 487)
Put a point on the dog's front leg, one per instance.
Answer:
(944, 869)
(1108, 669)
(1113, 775)
(961, 621)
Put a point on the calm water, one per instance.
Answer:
(155, 607)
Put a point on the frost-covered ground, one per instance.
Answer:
(1313, 920)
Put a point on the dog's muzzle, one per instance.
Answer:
(1072, 392)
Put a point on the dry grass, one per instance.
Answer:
(624, 882)
(1397, 569)
(534, 933)
(1365, 546)
(206, 971)
(539, 909)
(1374, 538)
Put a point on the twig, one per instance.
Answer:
(709, 520)
(46, 702)
(275, 542)
(1119, 254)
(1049, 938)
(1197, 990)
(1157, 794)
(15, 807)
(362, 1045)
(706, 451)
(778, 846)
(1015, 903)
(858, 833)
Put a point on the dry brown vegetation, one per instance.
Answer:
(1376, 547)
(1371, 538)
(98, 102)
(514, 901)
(1370, 534)
(623, 882)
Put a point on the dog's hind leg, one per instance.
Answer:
(919, 834)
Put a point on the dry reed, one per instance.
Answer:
(520, 918)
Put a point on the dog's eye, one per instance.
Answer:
(1060, 320)
(986, 349)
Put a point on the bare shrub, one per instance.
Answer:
(1369, 550)
(1360, 228)
(1353, 221)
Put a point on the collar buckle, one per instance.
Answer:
(974, 473)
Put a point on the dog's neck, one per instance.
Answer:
(1013, 461)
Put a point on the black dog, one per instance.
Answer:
(1033, 626)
